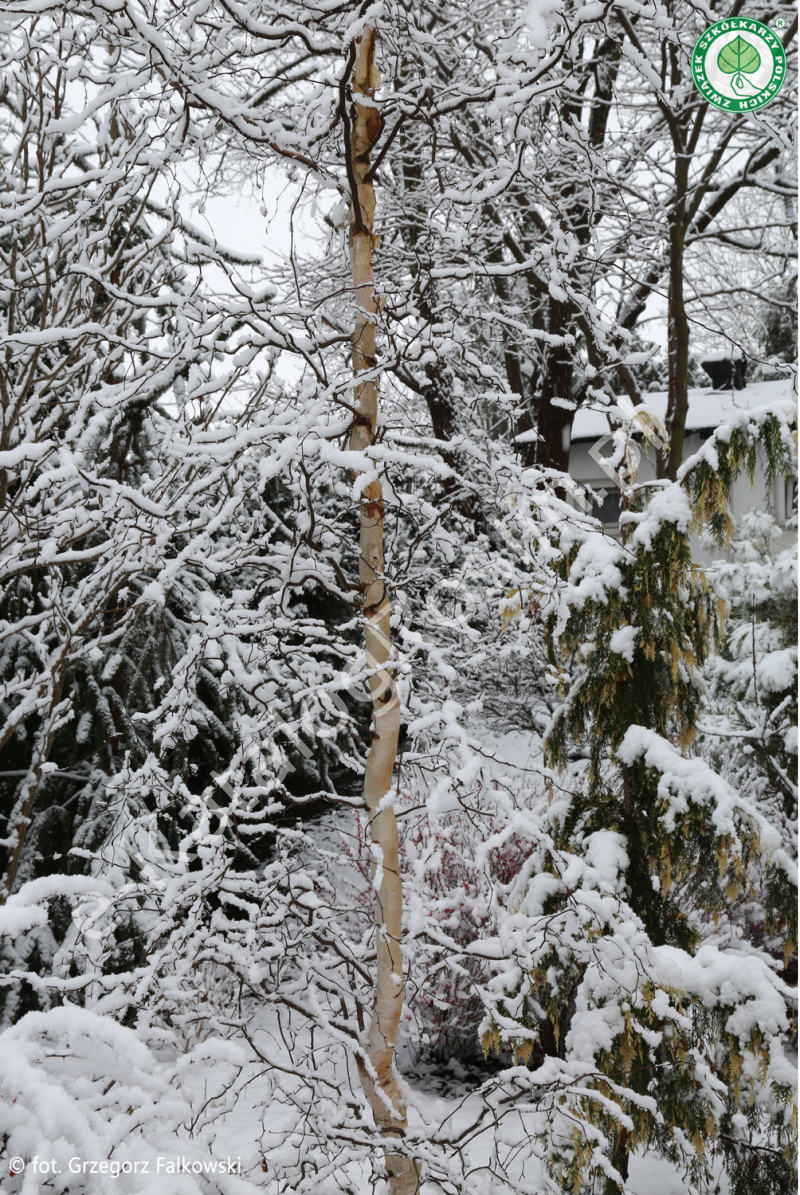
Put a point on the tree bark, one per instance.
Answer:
(554, 422)
(668, 462)
(619, 1160)
(378, 1075)
(678, 353)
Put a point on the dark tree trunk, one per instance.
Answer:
(668, 462)
(619, 1160)
(554, 422)
(678, 350)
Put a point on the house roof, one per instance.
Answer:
(707, 408)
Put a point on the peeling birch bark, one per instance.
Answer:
(378, 1075)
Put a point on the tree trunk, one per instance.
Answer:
(619, 1160)
(668, 461)
(554, 422)
(678, 351)
(377, 1072)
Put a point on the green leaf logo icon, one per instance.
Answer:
(739, 58)
(738, 64)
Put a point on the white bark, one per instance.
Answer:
(378, 1077)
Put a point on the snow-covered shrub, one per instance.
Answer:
(749, 726)
(459, 871)
(86, 1104)
(664, 1040)
(753, 679)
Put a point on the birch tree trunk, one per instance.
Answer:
(378, 1075)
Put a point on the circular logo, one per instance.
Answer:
(738, 64)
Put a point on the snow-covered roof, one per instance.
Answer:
(707, 408)
(723, 355)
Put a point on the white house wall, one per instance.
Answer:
(584, 468)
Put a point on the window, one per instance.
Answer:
(606, 503)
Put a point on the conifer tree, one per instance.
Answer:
(682, 1062)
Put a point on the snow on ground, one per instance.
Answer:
(252, 1126)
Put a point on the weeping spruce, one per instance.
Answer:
(679, 620)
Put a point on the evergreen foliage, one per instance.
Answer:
(636, 625)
